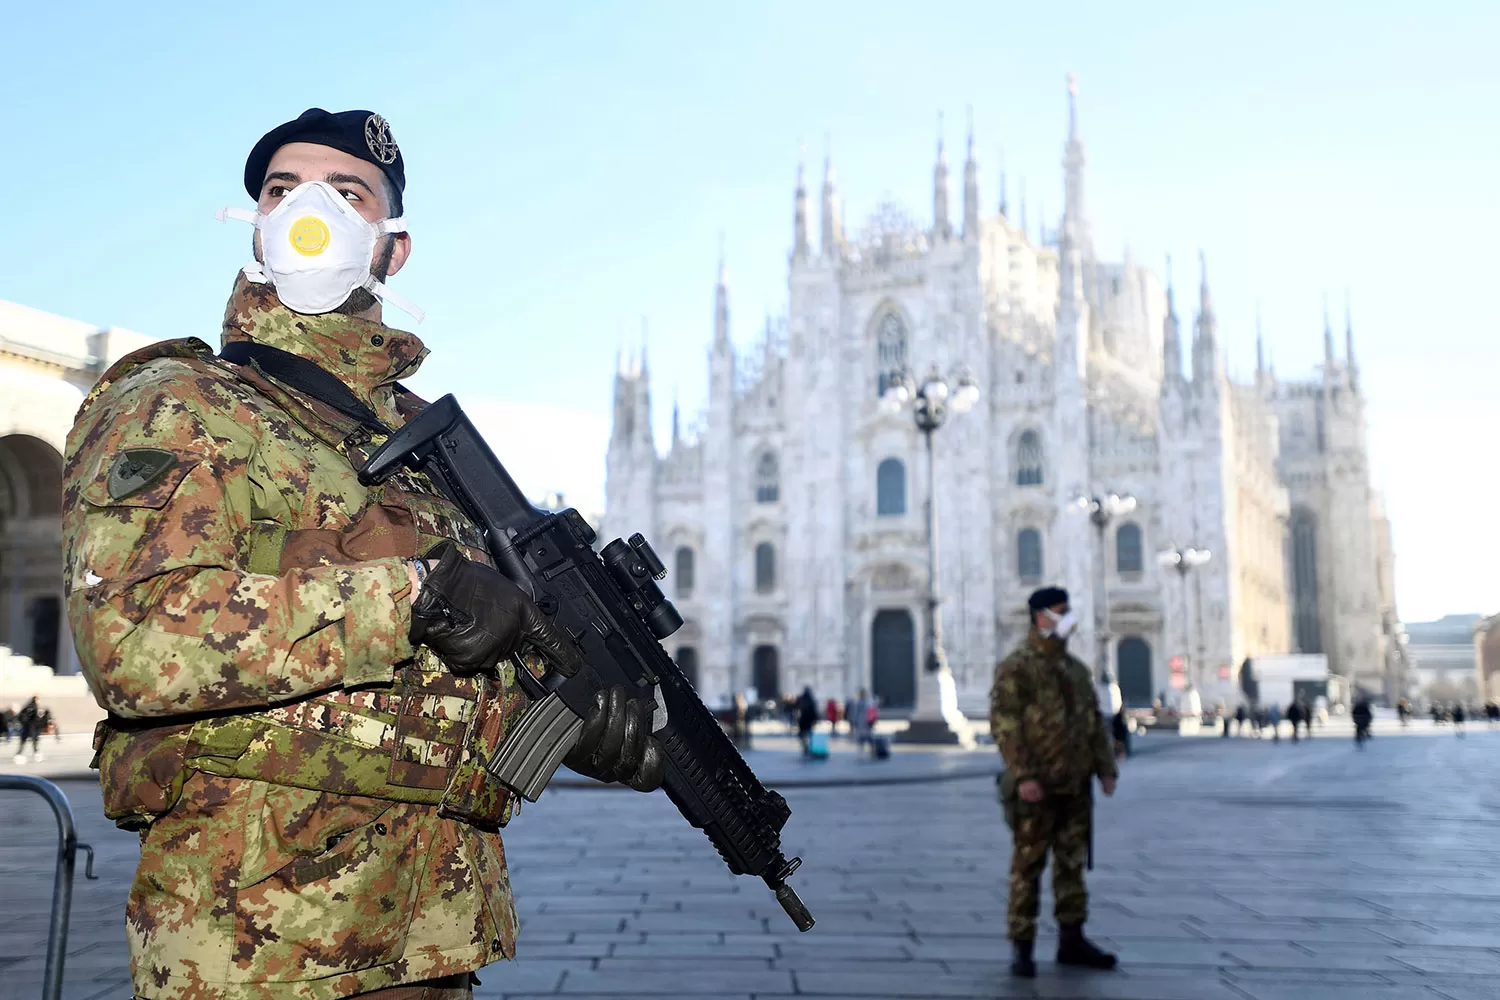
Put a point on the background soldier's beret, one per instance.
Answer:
(359, 133)
(1047, 597)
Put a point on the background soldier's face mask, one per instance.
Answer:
(1062, 624)
(318, 249)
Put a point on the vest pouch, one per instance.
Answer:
(472, 795)
(141, 770)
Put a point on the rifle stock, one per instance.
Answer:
(608, 602)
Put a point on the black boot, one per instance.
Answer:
(1021, 964)
(1075, 949)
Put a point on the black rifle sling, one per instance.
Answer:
(306, 377)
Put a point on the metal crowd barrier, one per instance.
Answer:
(62, 883)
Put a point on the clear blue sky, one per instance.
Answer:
(570, 173)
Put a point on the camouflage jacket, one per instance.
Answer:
(286, 686)
(1044, 715)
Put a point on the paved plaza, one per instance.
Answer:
(1224, 869)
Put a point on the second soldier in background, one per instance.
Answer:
(1045, 718)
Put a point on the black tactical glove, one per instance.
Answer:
(473, 617)
(616, 742)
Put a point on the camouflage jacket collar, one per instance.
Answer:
(1047, 648)
(364, 355)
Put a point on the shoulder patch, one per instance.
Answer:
(136, 468)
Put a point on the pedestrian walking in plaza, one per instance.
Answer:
(832, 713)
(1273, 720)
(1309, 713)
(29, 722)
(1046, 720)
(807, 717)
(1362, 715)
(1239, 718)
(1403, 712)
(1492, 713)
(857, 718)
(1458, 718)
(740, 724)
(1294, 716)
(7, 720)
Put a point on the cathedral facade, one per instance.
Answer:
(793, 517)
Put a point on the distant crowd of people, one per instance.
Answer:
(1263, 719)
(26, 724)
(854, 718)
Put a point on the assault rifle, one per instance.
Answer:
(609, 603)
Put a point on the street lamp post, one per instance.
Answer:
(1184, 561)
(936, 718)
(1102, 510)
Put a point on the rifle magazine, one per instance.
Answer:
(535, 749)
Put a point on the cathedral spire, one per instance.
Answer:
(833, 222)
(1330, 363)
(1004, 208)
(971, 186)
(800, 241)
(721, 304)
(1260, 345)
(1171, 338)
(1349, 344)
(1207, 365)
(1073, 164)
(642, 370)
(942, 229)
(642, 419)
(676, 434)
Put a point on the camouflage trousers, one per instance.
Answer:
(1059, 823)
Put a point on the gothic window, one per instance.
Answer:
(765, 568)
(890, 488)
(687, 662)
(890, 349)
(1305, 582)
(1128, 555)
(684, 574)
(767, 479)
(1029, 555)
(1029, 459)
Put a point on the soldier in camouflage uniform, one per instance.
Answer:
(1045, 718)
(304, 677)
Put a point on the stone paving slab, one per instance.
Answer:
(1219, 875)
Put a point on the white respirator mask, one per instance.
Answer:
(1063, 624)
(318, 250)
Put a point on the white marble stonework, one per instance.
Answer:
(47, 364)
(1091, 384)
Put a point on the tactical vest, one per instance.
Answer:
(423, 739)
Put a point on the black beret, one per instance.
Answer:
(1047, 597)
(359, 133)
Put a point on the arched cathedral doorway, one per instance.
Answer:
(766, 669)
(893, 658)
(31, 549)
(1133, 665)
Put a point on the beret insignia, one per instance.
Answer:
(378, 137)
